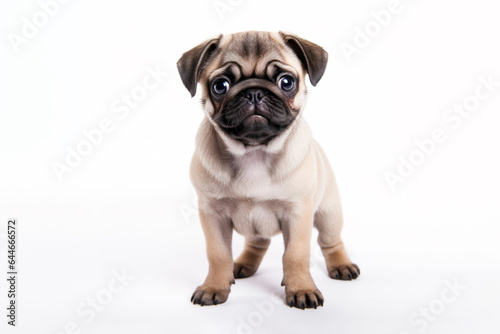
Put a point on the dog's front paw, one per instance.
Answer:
(346, 272)
(205, 295)
(309, 298)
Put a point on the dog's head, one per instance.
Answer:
(253, 82)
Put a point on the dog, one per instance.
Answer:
(256, 167)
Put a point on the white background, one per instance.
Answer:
(128, 205)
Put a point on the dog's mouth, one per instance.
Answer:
(255, 116)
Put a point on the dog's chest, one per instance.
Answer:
(255, 204)
(253, 178)
(256, 219)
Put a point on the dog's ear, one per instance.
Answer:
(192, 62)
(313, 57)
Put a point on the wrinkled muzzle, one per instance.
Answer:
(254, 112)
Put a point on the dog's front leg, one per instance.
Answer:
(218, 235)
(300, 290)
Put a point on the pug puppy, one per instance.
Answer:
(256, 167)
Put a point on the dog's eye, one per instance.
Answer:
(287, 83)
(221, 86)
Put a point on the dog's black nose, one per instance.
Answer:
(254, 95)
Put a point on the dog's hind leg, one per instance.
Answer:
(249, 260)
(328, 220)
